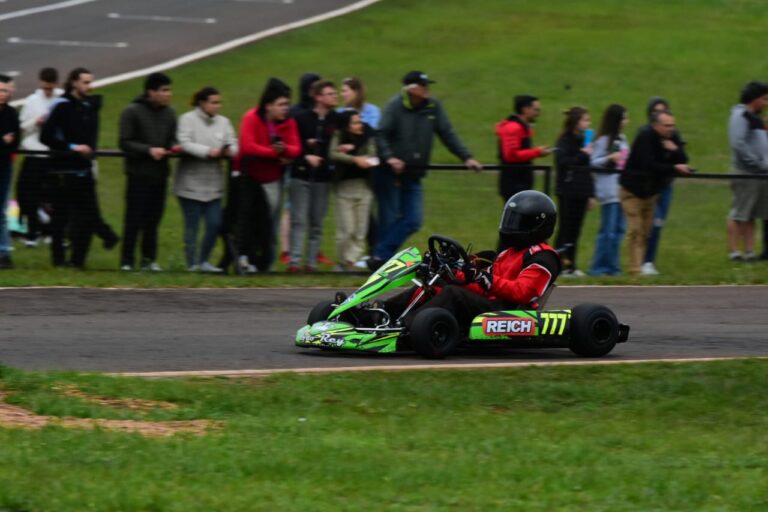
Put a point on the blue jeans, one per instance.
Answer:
(193, 211)
(605, 261)
(387, 197)
(400, 214)
(6, 171)
(659, 216)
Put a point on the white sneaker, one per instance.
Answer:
(126, 268)
(245, 265)
(208, 267)
(648, 269)
(572, 273)
(193, 268)
(153, 267)
(362, 263)
(30, 243)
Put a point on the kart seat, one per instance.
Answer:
(542, 301)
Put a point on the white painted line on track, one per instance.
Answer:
(44, 8)
(417, 367)
(142, 17)
(49, 42)
(234, 43)
(265, 1)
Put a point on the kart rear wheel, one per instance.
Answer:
(434, 333)
(594, 330)
(320, 312)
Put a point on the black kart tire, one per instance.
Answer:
(320, 312)
(594, 330)
(434, 333)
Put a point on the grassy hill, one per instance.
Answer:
(697, 54)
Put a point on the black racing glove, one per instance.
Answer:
(483, 278)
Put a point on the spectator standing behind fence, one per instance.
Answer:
(659, 104)
(205, 138)
(269, 140)
(653, 160)
(516, 150)
(353, 94)
(353, 151)
(311, 175)
(610, 151)
(410, 121)
(10, 133)
(749, 155)
(148, 137)
(575, 189)
(72, 127)
(29, 187)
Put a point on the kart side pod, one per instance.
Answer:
(589, 330)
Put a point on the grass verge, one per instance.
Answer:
(645, 437)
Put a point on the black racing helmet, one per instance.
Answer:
(528, 218)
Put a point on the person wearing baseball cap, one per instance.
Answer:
(410, 121)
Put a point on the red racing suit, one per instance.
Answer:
(521, 276)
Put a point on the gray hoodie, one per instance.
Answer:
(749, 141)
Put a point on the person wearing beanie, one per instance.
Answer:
(147, 136)
(269, 141)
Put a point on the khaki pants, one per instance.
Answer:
(353, 206)
(639, 213)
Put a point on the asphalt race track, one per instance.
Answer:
(114, 36)
(239, 329)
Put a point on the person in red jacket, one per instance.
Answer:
(516, 149)
(518, 276)
(269, 140)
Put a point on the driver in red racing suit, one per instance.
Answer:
(519, 276)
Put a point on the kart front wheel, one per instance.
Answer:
(594, 330)
(320, 312)
(434, 333)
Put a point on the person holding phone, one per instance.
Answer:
(206, 137)
(575, 189)
(269, 141)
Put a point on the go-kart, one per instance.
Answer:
(356, 323)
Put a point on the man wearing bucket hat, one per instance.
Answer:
(409, 123)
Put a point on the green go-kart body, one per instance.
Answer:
(335, 325)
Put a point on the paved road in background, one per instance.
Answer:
(116, 36)
(175, 330)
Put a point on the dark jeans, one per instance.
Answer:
(512, 181)
(6, 174)
(571, 213)
(464, 304)
(255, 224)
(401, 212)
(144, 205)
(29, 192)
(73, 214)
(193, 211)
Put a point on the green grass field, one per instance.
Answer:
(482, 55)
(637, 437)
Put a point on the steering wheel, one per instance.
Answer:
(449, 255)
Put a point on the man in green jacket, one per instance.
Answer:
(148, 137)
(410, 121)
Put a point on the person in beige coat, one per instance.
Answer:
(206, 138)
(353, 151)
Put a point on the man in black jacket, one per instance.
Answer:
(72, 127)
(148, 137)
(9, 141)
(654, 160)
